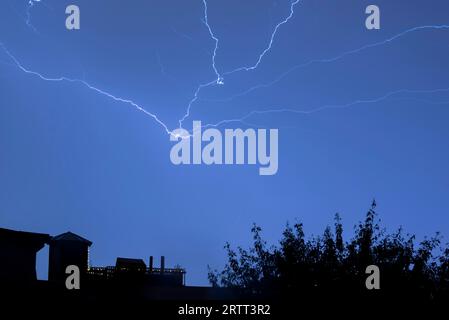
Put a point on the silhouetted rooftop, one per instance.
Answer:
(130, 262)
(70, 236)
(12, 235)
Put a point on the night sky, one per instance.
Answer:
(376, 121)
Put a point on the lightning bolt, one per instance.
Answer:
(220, 76)
(381, 98)
(270, 44)
(194, 99)
(335, 58)
(220, 80)
(85, 84)
(212, 35)
(30, 6)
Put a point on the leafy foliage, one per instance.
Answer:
(327, 264)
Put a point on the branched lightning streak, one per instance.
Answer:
(336, 58)
(86, 84)
(212, 35)
(219, 80)
(334, 106)
(270, 44)
(194, 99)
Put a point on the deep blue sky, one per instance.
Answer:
(72, 159)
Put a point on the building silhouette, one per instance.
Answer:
(67, 249)
(18, 254)
(129, 278)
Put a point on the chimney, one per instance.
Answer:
(162, 264)
(150, 266)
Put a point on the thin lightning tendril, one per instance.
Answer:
(220, 80)
(212, 35)
(30, 6)
(336, 106)
(86, 84)
(333, 59)
(270, 44)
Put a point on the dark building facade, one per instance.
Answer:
(18, 254)
(67, 249)
(128, 279)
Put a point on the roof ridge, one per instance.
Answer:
(70, 236)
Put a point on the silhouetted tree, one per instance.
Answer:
(326, 264)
